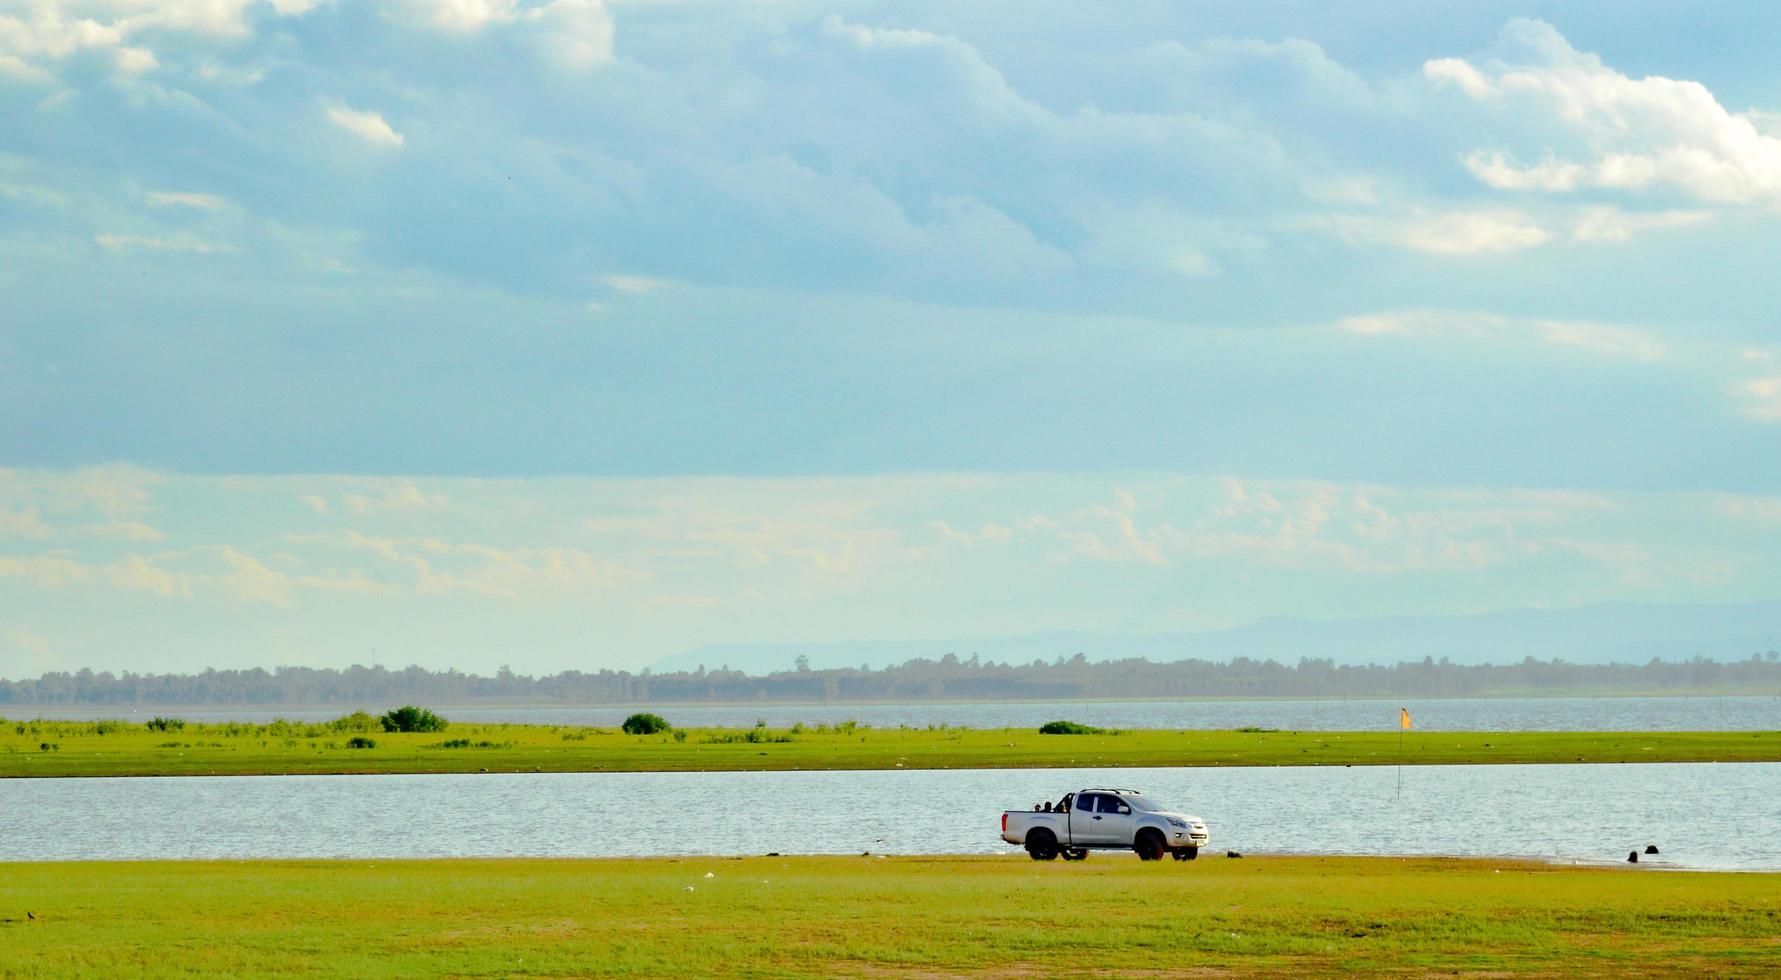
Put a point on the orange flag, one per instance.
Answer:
(1403, 717)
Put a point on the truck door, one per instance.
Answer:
(1099, 820)
(1087, 825)
(1113, 821)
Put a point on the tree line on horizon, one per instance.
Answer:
(950, 679)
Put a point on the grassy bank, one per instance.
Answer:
(1002, 916)
(47, 748)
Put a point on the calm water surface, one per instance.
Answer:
(1722, 816)
(1452, 715)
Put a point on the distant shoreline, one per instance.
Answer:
(96, 711)
(123, 748)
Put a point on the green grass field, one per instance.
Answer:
(50, 748)
(874, 917)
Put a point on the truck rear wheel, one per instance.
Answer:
(1150, 845)
(1076, 854)
(1042, 845)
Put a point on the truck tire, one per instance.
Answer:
(1186, 853)
(1076, 854)
(1042, 844)
(1150, 845)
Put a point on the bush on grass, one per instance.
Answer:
(644, 723)
(409, 718)
(160, 724)
(358, 721)
(1069, 728)
(360, 742)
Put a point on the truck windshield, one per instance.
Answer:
(1140, 803)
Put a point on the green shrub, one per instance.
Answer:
(455, 743)
(358, 721)
(160, 724)
(360, 742)
(644, 723)
(409, 718)
(1069, 728)
(679, 734)
(758, 735)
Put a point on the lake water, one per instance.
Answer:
(1720, 816)
(1451, 715)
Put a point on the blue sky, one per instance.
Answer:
(633, 326)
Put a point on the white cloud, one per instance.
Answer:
(19, 68)
(1629, 133)
(1469, 233)
(633, 284)
(396, 497)
(150, 243)
(572, 33)
(47, 33)
(1605, 339)
(1766, 510)
(46, 571)
(430, 566)
(53, 30)
(465, 15)
(23, 524)
(123, 531)
(188, 199)
(366, 125)
(1446, 233)
(136, 573)
(116, 492)
(135, 61)
(250, 581)
(1761, 398)
(575, 33)
(1608, 224)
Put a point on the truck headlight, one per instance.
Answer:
(1174, 822)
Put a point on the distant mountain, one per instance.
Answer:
(1623, 633)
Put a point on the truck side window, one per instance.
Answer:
(1109, 804)
(1086, 803)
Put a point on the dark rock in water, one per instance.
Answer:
(1632, 857)
(1650, 848)
(772, 854)
(1232, 854)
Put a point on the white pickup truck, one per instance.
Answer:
(1105, 819)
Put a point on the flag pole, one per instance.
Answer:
(1403, 723)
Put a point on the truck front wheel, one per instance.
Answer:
(1076, 854)
(1186, 853)
(1042, 845)
(1150, 845)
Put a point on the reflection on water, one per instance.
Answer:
(1445, 715)
(1700, 815)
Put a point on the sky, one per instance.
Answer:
(571, 335)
